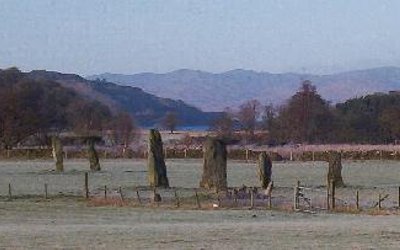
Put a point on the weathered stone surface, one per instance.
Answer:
(214, 165)
(335, 168)
(155, 161)
(92, 154)
(57, 153)
(264, 169)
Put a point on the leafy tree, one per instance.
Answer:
(306, 117)
(369, 119)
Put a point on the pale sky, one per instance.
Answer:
(131, 36)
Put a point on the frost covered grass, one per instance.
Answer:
(70, 222)
(29, 177)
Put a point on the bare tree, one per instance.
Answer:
(88, 118)
(123, 130)
(248, 114)
(223, 125)
(170, 121)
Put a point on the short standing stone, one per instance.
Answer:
(155, 161)
(264, 169)
(57, 153)
(93, 156)
(214, 165)
(335, 168)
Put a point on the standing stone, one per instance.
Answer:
(264, 169)
(57, 153)
(155, 161)
(335, 169)
(93, 156)
(214, 165)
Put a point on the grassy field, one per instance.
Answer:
(71, 223)
(28, 177)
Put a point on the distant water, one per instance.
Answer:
(193, 128)
(183, 128)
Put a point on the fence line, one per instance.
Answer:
(301, 198)
(300, 154)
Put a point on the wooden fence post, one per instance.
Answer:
(138, 196)
(120, 193)
(177, 202)
(379, 202)
(45, 191)
(358, 200)
(328, 207)
(399, 198)
(251, 198)
(218, 199)
(87, 185)
(270, 198)
(235, 198)
(197, 199)
(296, 196)
(9, 191)
(333, 188)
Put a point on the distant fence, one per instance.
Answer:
(297, 198)
(234, 154)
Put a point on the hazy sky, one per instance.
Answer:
(128, 36)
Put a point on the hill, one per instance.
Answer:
(147, 109)
(214, 92)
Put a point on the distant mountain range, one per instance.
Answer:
(148, 109)
(214, 92)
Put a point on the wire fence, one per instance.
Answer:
(109, 191)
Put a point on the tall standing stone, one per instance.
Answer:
(335, 168)
(92, 154)
(57, 153)
(214, 165)
(264, 169)
(155, 161)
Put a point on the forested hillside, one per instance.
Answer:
(31, 107)
(147, 109)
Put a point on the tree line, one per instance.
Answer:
(307, 118)
(40, 108)
(36, 109)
